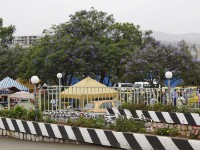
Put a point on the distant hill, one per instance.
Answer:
(190, 38)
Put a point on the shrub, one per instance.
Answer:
(19, 113)
(184, 109)
(156, 107)
(143, 106)
(128, 125)
(87, 122)
(32, 115)
(194, 134)
(49, 120)
(70, 122)
(8, 113)
(167, 131)
(99, 122)
(169, 108)
(134, 106)
(196, 110)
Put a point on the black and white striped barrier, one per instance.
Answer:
(98, 136)
(168, 117)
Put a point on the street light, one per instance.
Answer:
(59, 76)
(168, 75)
(44, 86)
(35, 80)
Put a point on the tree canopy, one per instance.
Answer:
(6, 55)
(154, 59)
(90, 43)
(6, 34)
(93, 44)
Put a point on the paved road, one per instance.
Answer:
(15, 144)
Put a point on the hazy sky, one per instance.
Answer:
(171, 16)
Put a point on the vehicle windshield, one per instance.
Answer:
(126, 85)
(147, 85)
(89, 105)
(137, 85)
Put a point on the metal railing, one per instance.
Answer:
(97, 99)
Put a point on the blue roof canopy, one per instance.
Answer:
(8, 83)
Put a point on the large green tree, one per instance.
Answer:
(6, 34)
(90, 43)
(154, 59)
(10, 60)
(6, 55)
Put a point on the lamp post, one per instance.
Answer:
(44, 86)
(59, 76)
(168, 75)
(35, 80)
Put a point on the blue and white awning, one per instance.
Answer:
(5, 91)
(8, 83)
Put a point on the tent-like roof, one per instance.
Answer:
(89, 88)
(26, 84)
(22, 95)
(5, 91)
(7, 83)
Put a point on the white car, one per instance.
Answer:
(124, 86)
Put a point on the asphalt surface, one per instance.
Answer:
(16, 144)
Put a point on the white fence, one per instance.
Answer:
(55, 98)
(98, 98)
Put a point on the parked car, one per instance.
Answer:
(124, 86)
(144, 84)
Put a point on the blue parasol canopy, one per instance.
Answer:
(7, 83)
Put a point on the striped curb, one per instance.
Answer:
(115, 139)
(168, 117)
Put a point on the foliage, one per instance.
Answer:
(6, 35)
(134, 106)
(188, 109)
(156, 107)
(196, 110)
(6, 113)
(169, 108)
(17, 113)
(21, 113)
(159, 107)
(32, 115)
(9, 58)
(49, 120)
(128, 125)
(184, 109)
(90, 43)
(143, 106)
(195, 133)
(167, 131)
(6, 55)
(154, 59)
(87, 122)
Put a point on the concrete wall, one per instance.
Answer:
(39, 131)
(165, 117)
